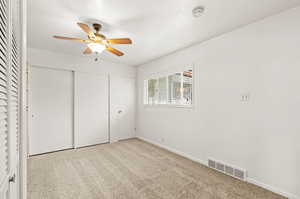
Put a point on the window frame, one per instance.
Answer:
(166, 75)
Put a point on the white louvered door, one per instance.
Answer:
(13, 104)
(4, 59)
(9, 98)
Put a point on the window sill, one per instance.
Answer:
(168, 106)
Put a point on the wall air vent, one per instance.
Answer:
(227, 169)
(239, 173)
(220, 167)
(212, 164)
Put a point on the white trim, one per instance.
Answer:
(168, 106)
(75, 119)
(73, 69)
(109, 109)
(174, 151)
(145, 92)
(273, 189)
(23, 102)
(168, 71)
(51, 68)
(249, 180)
(73, 110)
(181, 87)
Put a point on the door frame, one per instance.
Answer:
(23, 102)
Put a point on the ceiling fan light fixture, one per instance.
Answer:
(96, 42)
(96, 47)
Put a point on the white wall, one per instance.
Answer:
(262, 135)
(44, 58)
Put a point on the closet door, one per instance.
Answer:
(91, 109)
(122, 112)
(51, 109)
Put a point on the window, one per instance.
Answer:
(173, 89)
(162, 90)
(187, 82)
(152, 91)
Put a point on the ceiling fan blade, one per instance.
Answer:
(69, 38)
(85, 28)
(88, 50)
(114, 51)
(120, 41)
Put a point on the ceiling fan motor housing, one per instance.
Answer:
(97, 27)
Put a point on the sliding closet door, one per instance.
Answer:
(51, 109)
(122, 111)
(91, 109)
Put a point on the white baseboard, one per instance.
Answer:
(174, 151)
(249, 180)
(273, 189)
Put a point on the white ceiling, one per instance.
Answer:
(157, 27)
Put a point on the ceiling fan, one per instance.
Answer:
(96, 41)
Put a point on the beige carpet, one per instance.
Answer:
(130, 169)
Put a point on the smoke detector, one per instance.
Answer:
(198, 11)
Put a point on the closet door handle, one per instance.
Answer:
(12, 179)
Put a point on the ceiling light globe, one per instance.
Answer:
(96, 47)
